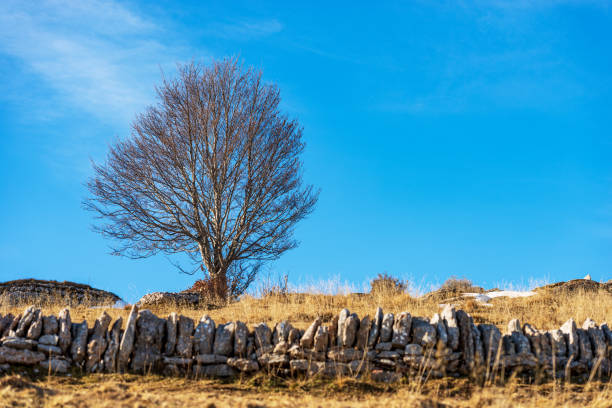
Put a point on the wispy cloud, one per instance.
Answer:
(99, 55)
(245, 30)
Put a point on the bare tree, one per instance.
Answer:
(213, 171)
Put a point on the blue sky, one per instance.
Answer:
(448, 138)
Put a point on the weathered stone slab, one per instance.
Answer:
(584, 344)
(97, 344)
(466, 340)
(114, 340)
(216, 370)
(171, 334)
(210, 359)
(148, 343)
(294, 336)
(5, 322)
(321, 339)
(571, 338)
(449, 317)
(19, 343)
(50, 339)
(65, 335)
(332, 329)
(521, 343)
(349, 331)
(127, 340)
(35, 329)
(56, 365)
(204, 336)
(491, 339)
(184, 341)
(413, 350)
(423, 333)
(177, 361)
(281, 332)
(50, 325)
(281, 348)
(386, 328)
(345, 355)
(14, 356)
(558, 345)
(263, 336)
(385, 346)
(401, 330)
(363, 333)
(307, 340)
(27, 317)
(441, 333)
(375, 330)
(241, 334)
(344, 314)
(49, 350)
(273, 360)
(224, 339)
(243, 364)
(78, 348)
(597, 337)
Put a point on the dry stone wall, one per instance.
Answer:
(385, 347)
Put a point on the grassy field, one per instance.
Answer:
(544, 310)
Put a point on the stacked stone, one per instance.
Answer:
(385, 346)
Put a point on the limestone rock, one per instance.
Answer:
(307, 340)
(50, 339)
(184, 340)
(177, 361)
(114, 340)
(204, 336)
(349, 331)
(452, 327)
(19, 343)
(24, 323)
(571, 337)
(479, 356)
(558, 344)
(243, 364)
(263, 336)
(491, 339)
(14, 356)
(441, 332)
(216, 370)
(56, 365)
(241, 335)
(413, 350)
(401, 330)
(386, 328)
(344, 314)
(333, 331)
(518, 338)
(148, 343)
(385, 346)
(210, 359)
(36, 327)
(171, 333)
(127, 340)
(182, 299)
(78, 348)
(97, 344)
(375, 330)
(65, 336)
(273, 360)
(294, 336)
(281, 332)
(5, 323)
(224, 339)
(363, 333)
(321, 339)
(281, 348)
(423, 333)
(49, 350)
(584, 344)
(466, 339)
(50, 325)
(597, 337)
(345, 355)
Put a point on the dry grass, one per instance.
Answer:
(544, 310)
(267, 391)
